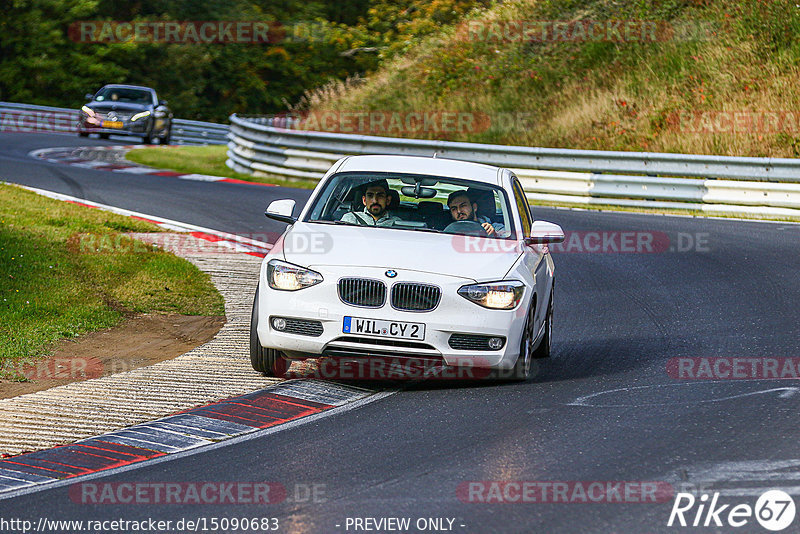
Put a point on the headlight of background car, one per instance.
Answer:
(287, 277)
(91, 116)
(141, 115)
(503, 295)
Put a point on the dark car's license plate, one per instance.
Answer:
(112, 124)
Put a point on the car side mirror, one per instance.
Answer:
(162, 102)
(281, 210)
(88, 96)
(543, 232)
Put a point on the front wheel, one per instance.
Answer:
(269, 362)
(522, 367)
(545, 345)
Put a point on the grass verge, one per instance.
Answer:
(66, 270)
(208, 160)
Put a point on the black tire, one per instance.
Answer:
(521, 371)
(103, 136)
(83, 134)
(546, 343)
(147, 139)
(166, 139)
(269, 362)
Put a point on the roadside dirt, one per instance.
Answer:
(139, 341)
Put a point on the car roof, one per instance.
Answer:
(122, 86)
(450, 168)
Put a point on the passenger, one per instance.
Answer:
(376, 201)
(462, 208)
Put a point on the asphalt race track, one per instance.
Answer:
(607, 408)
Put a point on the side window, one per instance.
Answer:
(522, 207)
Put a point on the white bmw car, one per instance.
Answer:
(408, 257)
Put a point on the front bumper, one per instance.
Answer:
(453, 315)
(138, 128)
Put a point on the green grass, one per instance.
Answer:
(208, 160)
(66, 270)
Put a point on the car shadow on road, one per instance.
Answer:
(576, 359)
(571, 360)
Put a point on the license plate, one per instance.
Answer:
(377, 328)
(112, 124)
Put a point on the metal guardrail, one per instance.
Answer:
(272, 146)
(31, 118)
(188, 132)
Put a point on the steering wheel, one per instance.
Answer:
(465, 227)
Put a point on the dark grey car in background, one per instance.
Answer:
(126, 110)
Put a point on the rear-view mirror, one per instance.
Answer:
(418, 192)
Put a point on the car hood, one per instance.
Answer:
(472, 258)
(117, 106)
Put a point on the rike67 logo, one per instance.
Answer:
(774, 510)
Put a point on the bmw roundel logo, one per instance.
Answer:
(391, 273)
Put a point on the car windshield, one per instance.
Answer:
(414, 202)
(124, 94)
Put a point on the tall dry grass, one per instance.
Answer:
(608, 96)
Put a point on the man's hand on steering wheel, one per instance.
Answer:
(489, 228)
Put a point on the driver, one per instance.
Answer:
(376, 207)
(462, 208)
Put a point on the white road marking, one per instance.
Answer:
(584, 400)
(747, 478)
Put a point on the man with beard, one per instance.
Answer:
(376, 201)
(462, 208)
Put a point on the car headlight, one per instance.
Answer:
(503, 295)
(89, 111)
(287, 277)
(141, 115)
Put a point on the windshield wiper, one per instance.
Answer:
(434, 230)
(334, 222)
